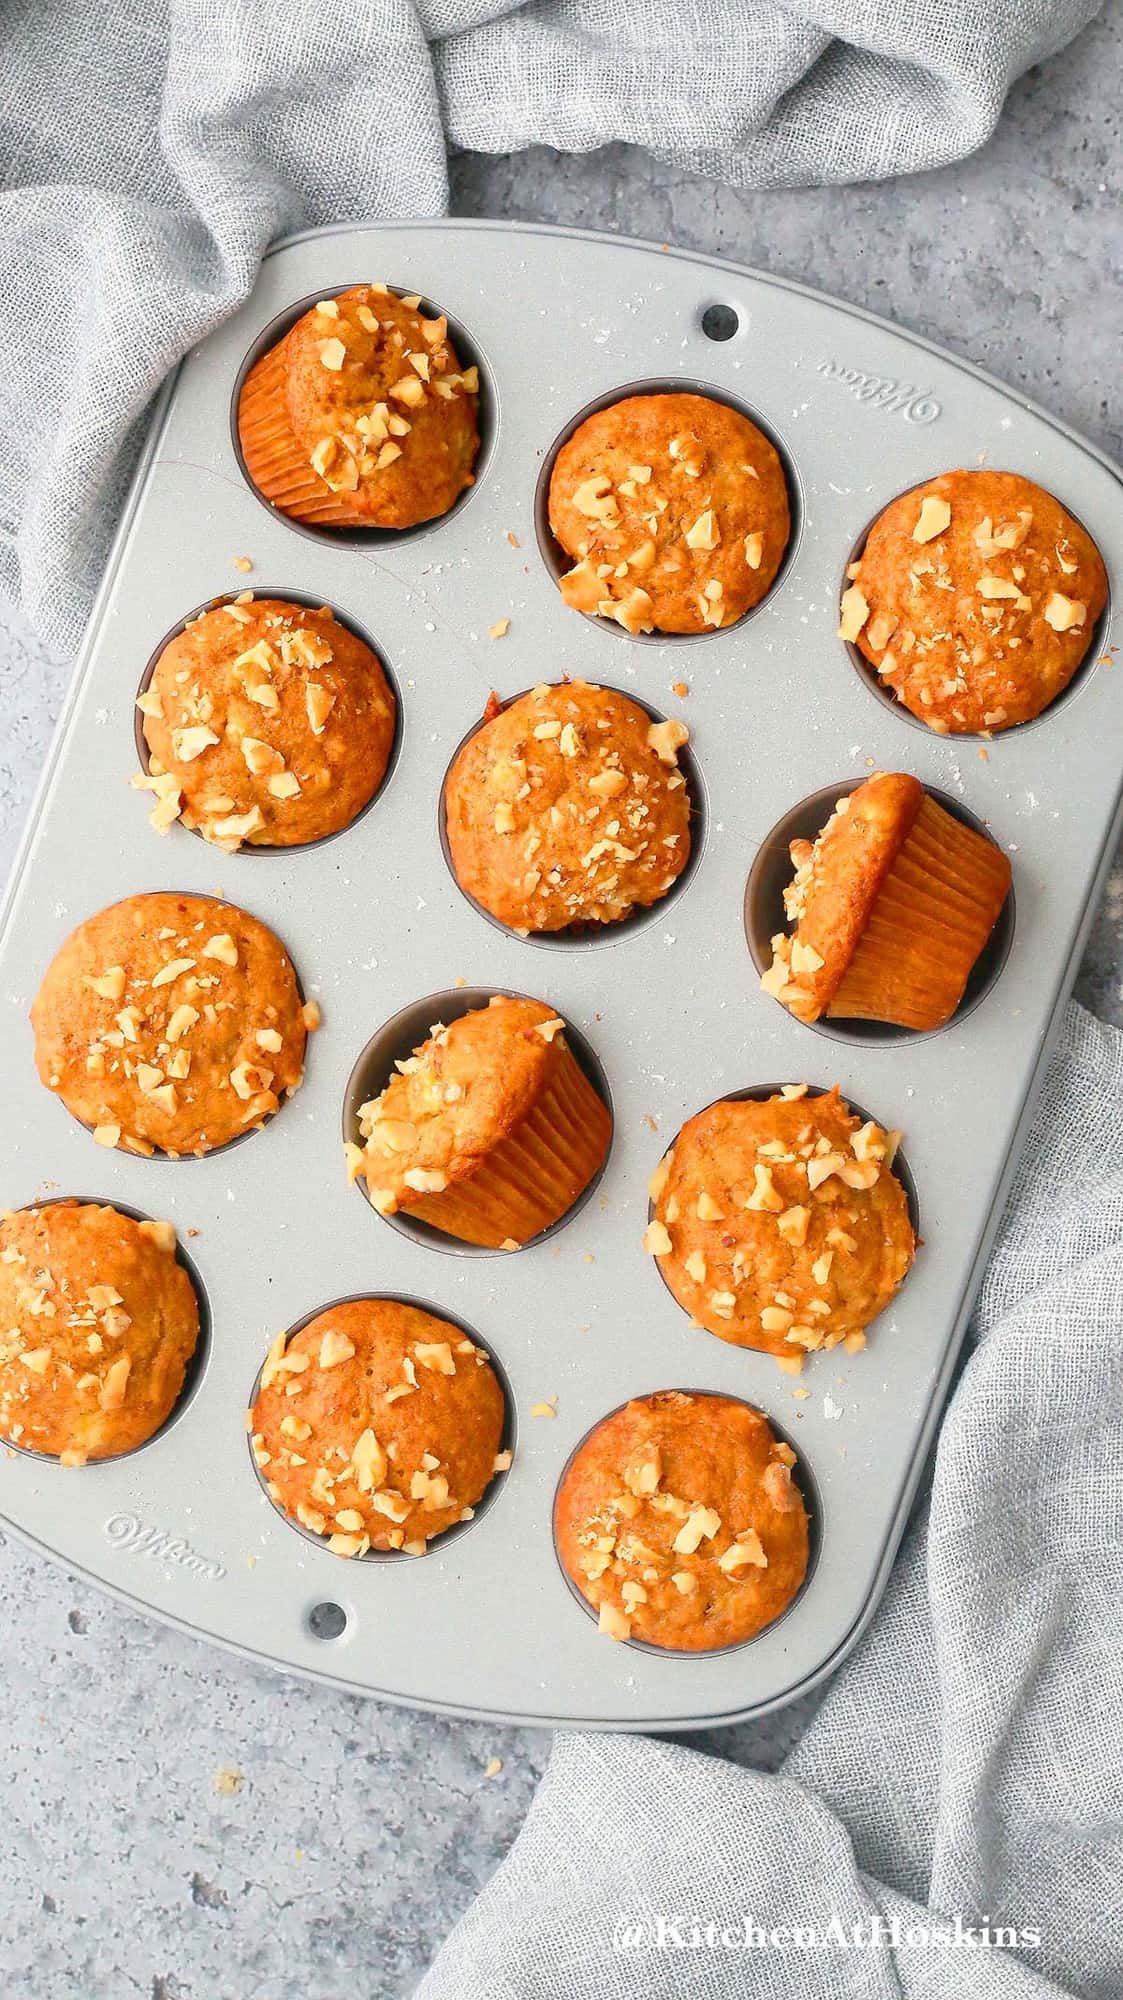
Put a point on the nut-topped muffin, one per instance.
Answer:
(780, 1224)
(171, 1023)
(265, 722)
(975, 599)
(377, 1426)
(362, 416)
(489, 1131)
(679, 1521)
(568, 807)
(98, 1322)
(891, 904)
(675, 511)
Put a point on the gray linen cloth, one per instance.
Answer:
(967, 1760)
(151, 149)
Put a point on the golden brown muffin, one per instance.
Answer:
(568, 807)
(98, 1322)
(490, 1130)
(265, 722)
(680, 1523)
(975, 598)
(362, 416)
(377, 1426)
(674, 510)
(892, 905)
(780, 1225)
(171, 1023)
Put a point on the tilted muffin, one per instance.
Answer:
(265, 722)
(975, 598)
(171, 1023)
(362, 416)
(680, 1523)
(377, 1426)
(490, 1130)
(781, 1225)
(892, 905)
(675, 512)
(98, 1322)
(568, 807)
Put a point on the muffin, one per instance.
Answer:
(891, 906)
(679, 1521)
(377, 1426)
(780, 1224)
(265, 722)
(490, 1130)
(362, 416)
(975, 599)
(98, 1322)
(674, 510)
(568, 807)
(171, 1023)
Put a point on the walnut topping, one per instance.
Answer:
(221, 947)
(765, 1194)
(109, 985)
(1063, 613)
(187, 744)
(593, 498)
(704, 533)
(612, 1622)
(933, 518)
(667, 739)
(112, 1394)
(701, 1524)
(792, 1225)
(754, 550)
(425, 1180)
(332, 355)
(656, 1240)
(318, 704)
(747, 1550)
(855, 611)
(707, 1209)
(436, 1356)
(685, 1582)
(548, 1029)
(992, 587)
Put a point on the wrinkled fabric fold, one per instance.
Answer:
(964, 1762)
(150, 150)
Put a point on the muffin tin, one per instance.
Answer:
(485, 1623)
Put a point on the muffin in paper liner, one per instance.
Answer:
(361, 416)
(891, 905)
(490, 1131)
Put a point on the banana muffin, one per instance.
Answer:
(780, 1224)
(891, 905)
(362, 416)
(674, 509)
(975, 599)
(377, 1426)
(489, 1131)
(171, 1023)
(98, 1322)
(265, 722)
(567, 807)
(679, 1522)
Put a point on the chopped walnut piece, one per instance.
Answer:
(656, 1240)
(855, 611)
(1063, 613)
(933, 518)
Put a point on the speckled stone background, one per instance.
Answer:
(181, 1826)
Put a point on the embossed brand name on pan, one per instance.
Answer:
(883, 392)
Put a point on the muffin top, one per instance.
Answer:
(837, 881)
(377, 1426)
(780, 1225)
(457, 1097)
(679, 1521)
(568, 807)
(377, 399)
(675, 511)
(265, 722)
(98, 1322)
(975, 598)
(171, 1023)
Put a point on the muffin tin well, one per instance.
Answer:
(558, 322)
(772, 871)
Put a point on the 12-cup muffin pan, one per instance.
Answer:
(668, 1006)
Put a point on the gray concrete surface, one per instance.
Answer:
(133, 1861)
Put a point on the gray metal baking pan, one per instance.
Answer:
(557, 319)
